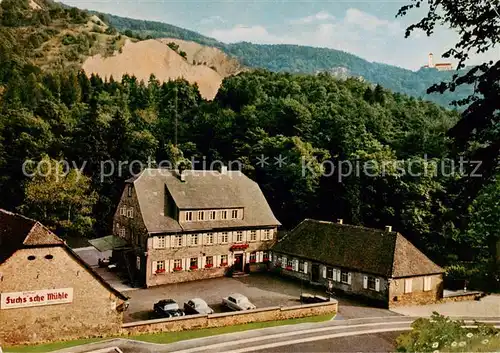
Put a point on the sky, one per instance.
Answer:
(367, 28)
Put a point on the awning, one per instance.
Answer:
(111, 242)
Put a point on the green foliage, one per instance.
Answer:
(60, 197)
(440, 334)
(295, 59)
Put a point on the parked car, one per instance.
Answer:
(197, 306)
(310, 299)
(168, 308)
(237, 301)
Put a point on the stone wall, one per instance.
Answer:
(398, 297)
(228, 319)
(92, 312)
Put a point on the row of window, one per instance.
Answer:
(177, 241)
(212, 215)
(328, 273)
(127, 212)
(209, 261)
(409, 284)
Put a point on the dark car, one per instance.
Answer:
(168, 308)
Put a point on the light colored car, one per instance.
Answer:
(197, 306)
(236, 301)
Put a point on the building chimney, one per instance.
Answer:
(340, 221)
(388, 229)
(431, 60)
(223, 170)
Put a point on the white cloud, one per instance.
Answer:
(212, 20)
(254, 34)
(318, 17)
(369, 22)
(357, 32)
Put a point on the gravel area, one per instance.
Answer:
(262, 289)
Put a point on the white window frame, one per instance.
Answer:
(176, 241)
(195, 240)
(267, 234)
(123, 211)
(371, 279)
(188, 216)
(222, 257)
(234, 214)
(123, 232)
(223, 214)
(210, 238)
(209, 257)
(177, 263)
(160, 265)
(224, 237)
(239, 236)
(212, 215)
(201, 215)
(253, 235)
(162, 241)
(130, 212)
(129, 191)
(347, 276)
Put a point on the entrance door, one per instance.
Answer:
(315, 273)
(238, 262)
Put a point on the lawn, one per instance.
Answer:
(170, 337)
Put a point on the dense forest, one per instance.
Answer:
(311, 122)
(303, 59)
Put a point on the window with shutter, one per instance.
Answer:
(371, 283)
(324, 271)
(427, 283)
(408, 285)
(349, 278)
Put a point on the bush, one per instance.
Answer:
(440, 334)
(473, 275)
(69, 39)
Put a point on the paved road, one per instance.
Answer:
(380, 342)
(373, 334)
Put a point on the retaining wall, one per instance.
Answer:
(191, 322)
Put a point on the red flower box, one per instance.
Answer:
(177, 269)
(160, 271)
(193, 267)
(289, 268)
(223, 263)
(252, 261)
(266, 259)
(209, 265)
(239, 247)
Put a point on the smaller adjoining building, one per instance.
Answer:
(380, 265)
(47, 293)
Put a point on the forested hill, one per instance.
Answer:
(303, 59)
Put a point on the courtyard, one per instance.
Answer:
(263, 290)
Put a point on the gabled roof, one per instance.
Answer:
(363, 249)
(19, 232)
(200, 190)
